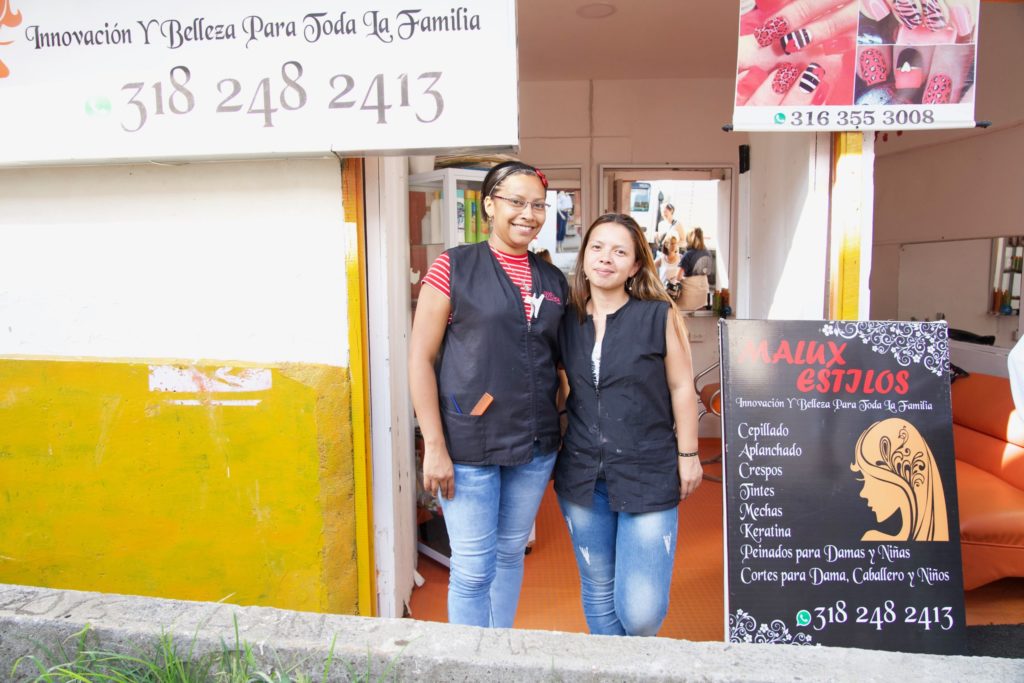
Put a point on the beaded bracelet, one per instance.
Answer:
(693, 454)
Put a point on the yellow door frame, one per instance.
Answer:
(353, 199)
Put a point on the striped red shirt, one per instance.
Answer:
(516, 266)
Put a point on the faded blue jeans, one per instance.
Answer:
(625, 563)
(489, 522)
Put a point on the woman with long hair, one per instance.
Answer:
(484, 384)
(669, 262)
(629, 454)
(900, 475)
(695, 267)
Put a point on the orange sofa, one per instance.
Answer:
(988, 437)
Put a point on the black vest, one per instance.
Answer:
(489, 347)
(622, 429)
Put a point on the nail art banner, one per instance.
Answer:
(833, 65)
(109, 80)
(841, 516)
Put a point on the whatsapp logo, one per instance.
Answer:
(803, 617)
(780, 118)
(98, 106)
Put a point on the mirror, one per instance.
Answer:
(561, 237)
(975, 285)
(677, 199)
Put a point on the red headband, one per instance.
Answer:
(543, 178)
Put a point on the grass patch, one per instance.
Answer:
(79, 659)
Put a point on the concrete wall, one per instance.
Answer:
(128, 464)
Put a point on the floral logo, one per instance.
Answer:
(908, 342)
(743, 628)
(8, 19)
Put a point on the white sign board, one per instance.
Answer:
(107, 80)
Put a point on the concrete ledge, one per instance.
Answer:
(426, 651)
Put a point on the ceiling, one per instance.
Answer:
(642, 39)
(697, 39)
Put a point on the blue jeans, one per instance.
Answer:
(489, 522)
(625, 563)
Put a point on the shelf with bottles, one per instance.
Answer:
(445, 210)
(1008, 262)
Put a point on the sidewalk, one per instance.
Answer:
(424, 651)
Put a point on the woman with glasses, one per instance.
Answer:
(482, 372)
(630, 453)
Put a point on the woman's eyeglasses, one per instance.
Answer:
(520, 204)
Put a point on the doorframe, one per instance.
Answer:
(731, 240)
(388, 323)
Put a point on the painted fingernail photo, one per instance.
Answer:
(909, 73)
(772, 31)
(939, 90)
(784, 78)
(810, 79)
(795, 41)
(874, 9)
(908, 12)
(934, 14)
(873, 68)
(962, 21)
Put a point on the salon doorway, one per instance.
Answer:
(679, 199)
(561, 241)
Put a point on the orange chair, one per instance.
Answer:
(988, 440)
(710, 396)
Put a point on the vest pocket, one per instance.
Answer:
(466, 442)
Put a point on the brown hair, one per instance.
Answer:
(645, 285)
(695, 239)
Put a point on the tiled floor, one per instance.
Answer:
(550, 596)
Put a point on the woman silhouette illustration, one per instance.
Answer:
(900, 475)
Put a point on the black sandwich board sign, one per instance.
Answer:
(839, 483)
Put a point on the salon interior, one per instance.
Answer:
(615, 96)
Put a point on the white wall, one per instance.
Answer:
(955, 185)
(225, 261)
(640, 121)
(783, 259)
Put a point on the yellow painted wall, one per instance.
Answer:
(108, 486)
